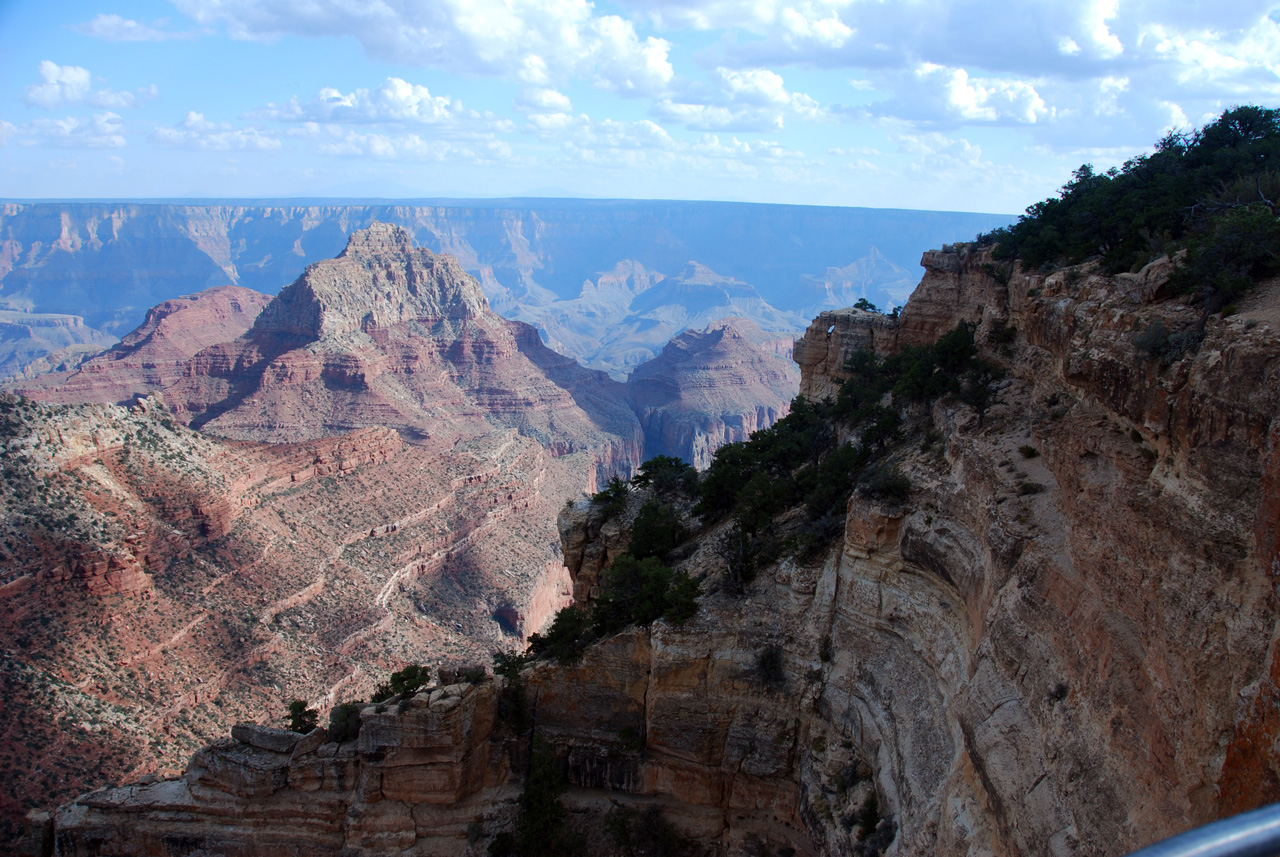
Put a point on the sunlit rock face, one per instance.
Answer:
(1058, 644)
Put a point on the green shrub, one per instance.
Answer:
(769, 667)
(656, 532)
(411, 679)
(301, 718)
(344, 722)
(668, 476)
(1029, 451)
(540, 820)
(612, 499)
(885, 483)
(569, 634)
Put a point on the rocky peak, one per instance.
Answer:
(379, 280)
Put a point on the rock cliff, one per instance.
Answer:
(1060, 642)
(155, 355)
(708, 388)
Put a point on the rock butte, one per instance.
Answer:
(1080, 670)
(161, 583)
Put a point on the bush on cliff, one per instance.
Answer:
(668, 476)
(344, 722)
(632, 592)
(301, 718)
(1209, 191)
(411, 679)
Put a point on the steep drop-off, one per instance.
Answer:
(1057, 643)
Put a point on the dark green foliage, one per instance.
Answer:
(632, 592)
(865, 304)
(513, 704)
(638, 591)
(645, 834)
(411, 679)
(569, 634)
(344, 722)
(540, 821)
(1228, 254)
(612, 499)
(503, 845)
(668, 476)
(885, 483)
(738, 549)
(1029, 451)
(656, 532)
(1027, 488)
(1205, 191)
(769, 668)
(301, 718)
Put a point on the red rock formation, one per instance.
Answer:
(710, 388)
(155, 355)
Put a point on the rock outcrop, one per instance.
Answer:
(155, 355)
(1060, 642)
(708, 388)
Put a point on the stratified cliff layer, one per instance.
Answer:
(711, 387)
(159, 584)
(1059, 643)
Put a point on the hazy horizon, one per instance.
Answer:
(924, 105)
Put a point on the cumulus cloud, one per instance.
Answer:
(742, 100)
(71, 85)
(542, 100)
(537, 42)
(101, 131)
(113, 28)
(395, 102)
(195, 132)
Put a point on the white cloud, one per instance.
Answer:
(984, 99)
(101, 131)
(195, 132)
(70, 85)
(114, 28)
(537, 42)
(412, 147)
(541, 100)
(395, 102)
(753, 99)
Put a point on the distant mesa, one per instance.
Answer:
(31, 343)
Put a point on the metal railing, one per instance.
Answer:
(1250, 834)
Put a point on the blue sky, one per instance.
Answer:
(974, 106)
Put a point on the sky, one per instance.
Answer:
(964, 106)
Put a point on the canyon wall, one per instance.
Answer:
(1062, 642)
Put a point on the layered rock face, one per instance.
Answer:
(155, 355)
(160, 584)
(38, 342)
(708, 388)
(404, 511)
(1059, 644)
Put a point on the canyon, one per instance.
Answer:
(606, 282)
(1060, 638)
(253, 499)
